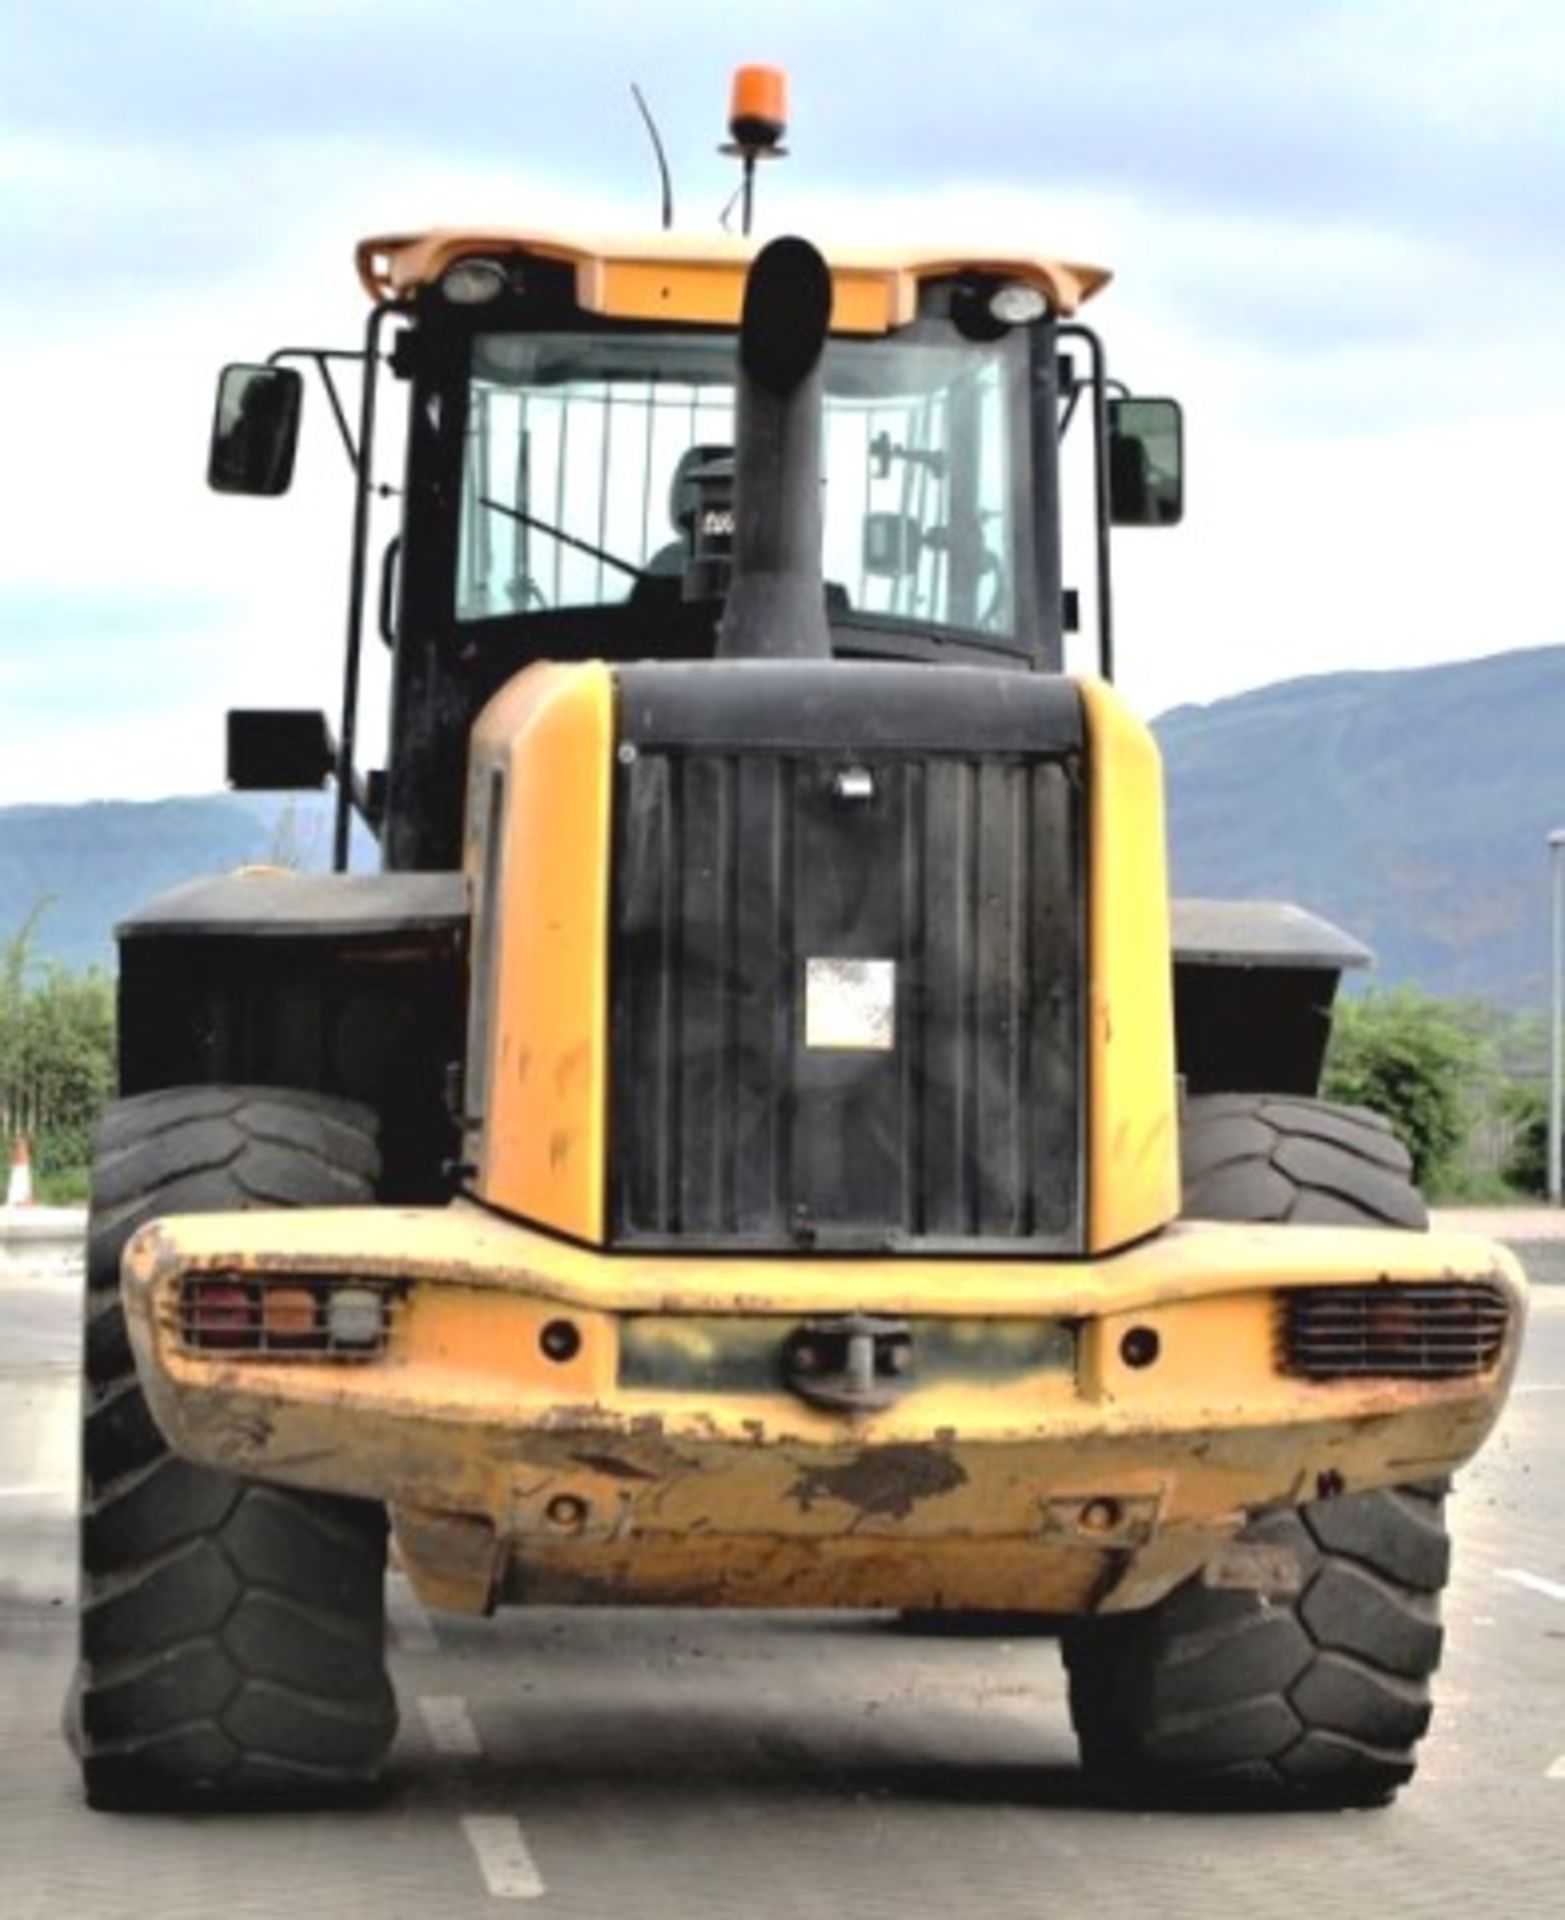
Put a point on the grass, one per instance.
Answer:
(1470, 1187)
(63, 1187)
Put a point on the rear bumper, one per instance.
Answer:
(1028, 1461)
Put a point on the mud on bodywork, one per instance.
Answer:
(552, 1424)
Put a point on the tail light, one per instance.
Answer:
(287, 1317)
(220, 1313)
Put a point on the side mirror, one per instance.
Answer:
(278, 749)
(1146, 463)
(255, 430)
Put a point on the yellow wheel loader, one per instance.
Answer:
(761, 1137)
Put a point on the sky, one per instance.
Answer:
(1334, 229)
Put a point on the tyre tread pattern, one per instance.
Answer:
(1259, 1157)
(231, 1632)
(1316, 1696)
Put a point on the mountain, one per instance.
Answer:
(85, 867)
(1411, 807)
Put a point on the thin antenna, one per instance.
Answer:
(662, 157)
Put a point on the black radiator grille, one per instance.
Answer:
(957, 876)
(1434, 1330)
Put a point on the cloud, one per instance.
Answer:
(1417, 113)
(1415, 140)
(1334, 226)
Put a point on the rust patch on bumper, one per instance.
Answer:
(612, 1466)
(991, 1484)
(886, 1481)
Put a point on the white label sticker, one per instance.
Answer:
(850, 1005)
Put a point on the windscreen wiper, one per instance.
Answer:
(558, 533)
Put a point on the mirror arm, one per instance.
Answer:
(320, 358)
(338, 414)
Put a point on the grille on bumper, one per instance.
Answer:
(287, 1316)
(1434, 1330)
(788, 837)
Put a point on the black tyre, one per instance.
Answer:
(231, 1633)
(1317, 1693)
(1259, 1157)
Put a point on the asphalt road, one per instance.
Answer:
(679, 1765)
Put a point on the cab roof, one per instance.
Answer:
(674, 277)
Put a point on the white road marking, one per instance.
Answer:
(509, 1870)
(450, 1724)
(1533, 1582)
(1557, 1771)
(31, 1493)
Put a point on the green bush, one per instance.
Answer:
(1527, 1164)
(68, 1187)
(56, 1061)
(1412, 1058)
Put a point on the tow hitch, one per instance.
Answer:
(855, 1363)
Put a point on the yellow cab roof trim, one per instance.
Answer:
(668, 277)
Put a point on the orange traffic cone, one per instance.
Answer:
(19, 1187)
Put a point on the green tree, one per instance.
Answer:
(1414, 1059)
(1527, 1164)
(56, 1059)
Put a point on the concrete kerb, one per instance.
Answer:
(34, 1237)
(1544, 1261)
(1536, 1235)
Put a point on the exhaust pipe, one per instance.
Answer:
(776, 607)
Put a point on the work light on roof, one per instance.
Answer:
(1017, 304)
(474, 282)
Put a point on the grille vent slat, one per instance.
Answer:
(733, 874)
(1428, 1330)
(777, 824)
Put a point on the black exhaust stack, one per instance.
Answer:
(776, 607)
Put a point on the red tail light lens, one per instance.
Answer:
(222, 1313)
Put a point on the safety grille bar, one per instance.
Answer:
(287, 1316)
(1425, 1330)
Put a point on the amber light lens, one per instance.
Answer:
(291, 1315)
(758, 106)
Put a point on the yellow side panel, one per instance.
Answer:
(537, 1080)
(1133, 1131)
